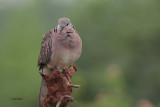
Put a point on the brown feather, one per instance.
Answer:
(46, 50)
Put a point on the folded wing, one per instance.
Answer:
(46, 50)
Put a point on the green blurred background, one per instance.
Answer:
(120, 62)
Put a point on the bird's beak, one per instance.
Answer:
(61, 28)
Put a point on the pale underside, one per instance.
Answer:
(64, 50)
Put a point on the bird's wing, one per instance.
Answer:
(46, 50)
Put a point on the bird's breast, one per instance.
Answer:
(65, 50)
(64, 57)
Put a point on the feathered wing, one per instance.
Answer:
(46, 50)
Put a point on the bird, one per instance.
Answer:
(60, 47)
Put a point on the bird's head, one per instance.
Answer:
(66, 33)
(63, 22)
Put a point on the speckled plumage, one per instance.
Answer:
(60, 47)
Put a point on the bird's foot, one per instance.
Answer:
(66, 74)
(55, 69)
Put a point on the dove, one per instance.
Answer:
(60, 47)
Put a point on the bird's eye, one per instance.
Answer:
(61, 28)
(73, 27)
(67, 24)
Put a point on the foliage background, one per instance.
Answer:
(120, 63)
